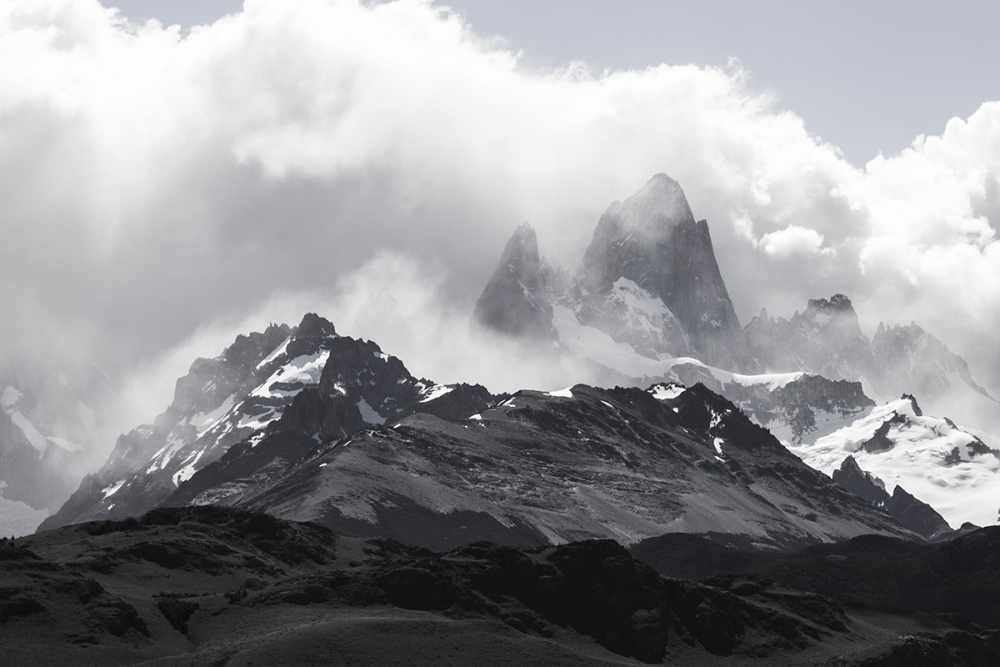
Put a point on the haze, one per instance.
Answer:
(164, 188)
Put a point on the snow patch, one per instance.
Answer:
(112, 489)
(36, 439)
(204, 421)
(666, 392)
(65, 444)
(369, 414)
(277, 352)
(437, 391)
(562, 393)
(305, 369)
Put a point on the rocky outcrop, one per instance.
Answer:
(516, 301)
(918, 516)
(797, 408)
(825, 339)
(653, 240)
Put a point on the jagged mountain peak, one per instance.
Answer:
(516, 300)
(313, 384)
(312, 325)
(836, 303)
(654, 210)
(653, 240)
(916, 515)
(944, 465)
(837, 310)
(521, 255)
(826, 338)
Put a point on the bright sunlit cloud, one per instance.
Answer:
(155, 184)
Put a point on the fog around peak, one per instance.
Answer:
(163, 190)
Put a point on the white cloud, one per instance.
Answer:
(794, 240)
(152, 183)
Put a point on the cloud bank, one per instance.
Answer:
(160, 190)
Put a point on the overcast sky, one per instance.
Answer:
(161, 187)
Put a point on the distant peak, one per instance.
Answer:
(837, 302)
(314, 325)
(522, 247)
(661, 198)
(661, 180)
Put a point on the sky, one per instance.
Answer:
(167, 184)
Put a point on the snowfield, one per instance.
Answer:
(932, 458)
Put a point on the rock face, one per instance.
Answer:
(649, 279)
(516, 301)
(331, 429)
(825, 339)
(653, 240)
(908, 359)
(540, 468)
(795, 409)
(919, 517)
(306, 380)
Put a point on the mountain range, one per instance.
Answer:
(304, 423)
(710, 450)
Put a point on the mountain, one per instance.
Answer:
(825, 339)
(217, 586)
(908, 359)
(652, 240)
(581, 463)
(306, 424)
(248, 391)
(918, 516)
(516, 299)
(649, 280)
(934, 459)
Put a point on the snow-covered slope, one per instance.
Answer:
(953, 470)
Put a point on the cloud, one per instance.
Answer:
(794, 240)
(156, 185)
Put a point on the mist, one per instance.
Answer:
(162, 191)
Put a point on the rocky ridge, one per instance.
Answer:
(252, 389)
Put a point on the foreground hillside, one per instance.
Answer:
(215, 586)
